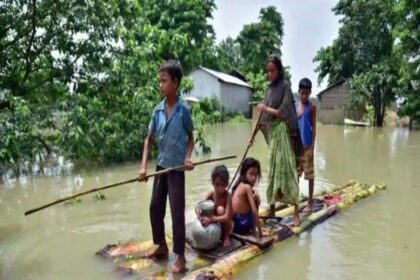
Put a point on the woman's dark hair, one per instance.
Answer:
(277, 62)
(220, 171)
(173, 68)
(247, 164)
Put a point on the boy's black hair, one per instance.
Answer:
(277, 62)
(305, 83)
(247, 164)
(220, 171)
(173, 68)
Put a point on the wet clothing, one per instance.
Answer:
(282, 135)
(171, 133)
(171, 184)
(306, 165)
(305, 123)
(306, 161)
(279, 96)
(243, 223)
(282, 174)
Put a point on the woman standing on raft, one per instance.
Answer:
(279, 125)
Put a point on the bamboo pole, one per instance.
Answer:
(254, 133)
(124, 182)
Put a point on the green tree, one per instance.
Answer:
(228, 56)
(80, 78)
(258, 40)
(377, 87)
(259, 84)
(363, 52)
(46, 47)
(184, 17)
(407, 33)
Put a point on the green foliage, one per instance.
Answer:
(80, 78)
(259, 84)
(376, 86)
(369, 114)
(248, 53)
(238, 118)
(228, 55)
(209, 110)
(17, 128)
(259, 40)
(407, 33)
(72, 201)
(206, 111)
(188, 19)
(379, 54)
(99, 196)
(363, 52)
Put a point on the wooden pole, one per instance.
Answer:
(125, 182)
(254, 133)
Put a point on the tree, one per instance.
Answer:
(259, 84)
(407, 33)
(80, 78)
(259, 40)
(188, 18)
(363, 52)
(376, 86)
(46, 48)
(228, 56)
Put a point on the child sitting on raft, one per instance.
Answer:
(245, 201)
(222, 203)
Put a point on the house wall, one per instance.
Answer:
(332, 102)
(236, 98)
(335, 97)
(336, 116)
(205, 85)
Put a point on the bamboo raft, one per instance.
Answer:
(129, 257)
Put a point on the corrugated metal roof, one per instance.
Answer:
(226, 77)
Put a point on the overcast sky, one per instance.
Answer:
(308, 26)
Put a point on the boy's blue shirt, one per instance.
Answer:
(305, 125)
(171, 133)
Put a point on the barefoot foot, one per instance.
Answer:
(160, 252)
(179, 265)
(279, 196)
(296, 221)
(307, 209)
(226, 242)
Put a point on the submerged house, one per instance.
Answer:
(234, 94)
(332, 104)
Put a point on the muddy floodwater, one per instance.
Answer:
(377, 238)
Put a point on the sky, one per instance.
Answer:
(308, 26)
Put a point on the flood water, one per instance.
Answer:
(377, 238)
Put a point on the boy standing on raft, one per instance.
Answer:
(306, 113)
(172, 128)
